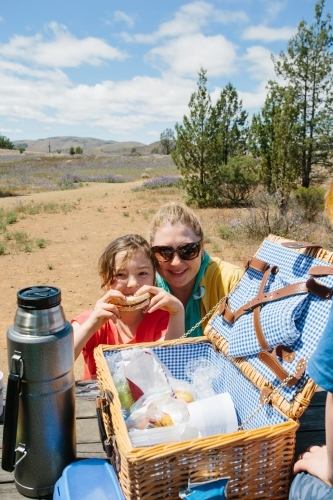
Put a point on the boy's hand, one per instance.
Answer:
(314, 461)
(161, 299)
(104, 311)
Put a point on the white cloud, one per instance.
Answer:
(189, 19)
(120, 107)
(10, 130)
(64, 50)
(120, 16)
(153, 133)
(273, 9)
(258, 62)
(266, 34)
(185, 55)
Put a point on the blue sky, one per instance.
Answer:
(125, 71)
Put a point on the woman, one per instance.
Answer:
(184, 268)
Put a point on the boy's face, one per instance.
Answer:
(132, 274)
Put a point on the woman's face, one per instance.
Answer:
(177, 273)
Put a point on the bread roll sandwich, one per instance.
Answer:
(131, 303)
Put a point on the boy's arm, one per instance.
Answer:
(318, 461)
(176, 325)
(102, 312)
(329, 436)
(82, 333)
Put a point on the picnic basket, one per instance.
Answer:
(258, 457)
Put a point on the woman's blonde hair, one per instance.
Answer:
(329, 202)
(130, 243)
(172, 213)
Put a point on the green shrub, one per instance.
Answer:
(11, 218)
(40, 242)
(2, 249)
(311, 200)
(239, 178)
(224, 232)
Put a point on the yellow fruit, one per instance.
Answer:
(185, 396)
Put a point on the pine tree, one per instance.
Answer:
(275, 137)
(308, 68)
(232, 124)
(197, 150)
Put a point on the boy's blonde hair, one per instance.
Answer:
(171, 213)
(130, 243)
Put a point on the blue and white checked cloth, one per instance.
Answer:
(296, 321)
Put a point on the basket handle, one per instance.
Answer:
(107, 446)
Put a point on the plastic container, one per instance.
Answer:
(89, 479)
(160, 435)
(1, 394)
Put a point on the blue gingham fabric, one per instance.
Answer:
(297, 321)
(244, 394)
(278, 321)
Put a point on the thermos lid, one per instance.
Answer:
(38, 297)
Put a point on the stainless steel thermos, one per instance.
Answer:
(39, 437)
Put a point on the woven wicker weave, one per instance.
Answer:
(258, 461)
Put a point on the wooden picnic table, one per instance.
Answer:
(88, 444)
(311, 431)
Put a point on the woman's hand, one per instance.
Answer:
(161, 299)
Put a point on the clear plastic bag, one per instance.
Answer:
(201, 372)
(157, 409)
(145, 374)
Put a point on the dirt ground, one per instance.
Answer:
(74, 242)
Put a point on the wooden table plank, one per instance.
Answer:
(88, 444)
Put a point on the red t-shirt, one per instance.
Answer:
(152, 328)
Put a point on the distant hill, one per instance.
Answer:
(89, 145)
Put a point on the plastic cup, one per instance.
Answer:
(213, 415)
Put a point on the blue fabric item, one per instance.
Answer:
(192, 310)
(307, 319)
(320, 364)
(277, 319)
(307, 487)
(212, 490)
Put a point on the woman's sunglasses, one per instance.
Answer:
(188, 251)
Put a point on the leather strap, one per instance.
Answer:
(270, 361)
(284, 352)
(254, 263)
(300, 244)
(256, 314)
(321, 271)
(311, 285)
